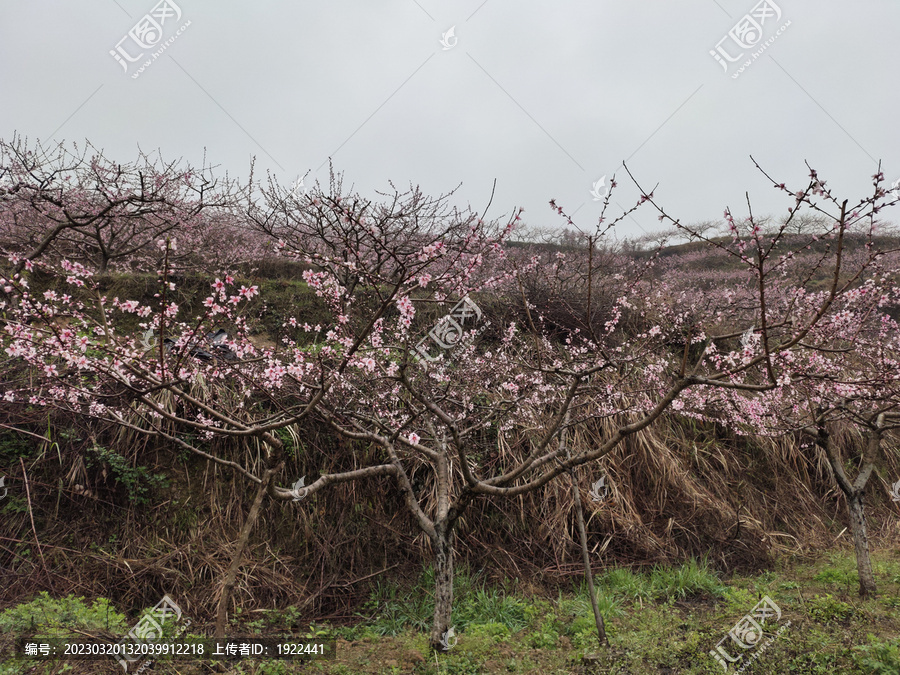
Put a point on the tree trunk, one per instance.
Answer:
(585, 554)
(853, 492)
(861, 542)
(442, 637)
(231, 575)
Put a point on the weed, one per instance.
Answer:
(56, 617)
(490, 607)
(497, 632)
(625, 583)
(136, 480)
(827, 609)
(837, 577)
(880, 658)
(51, 617)
(689, 580)
(13, 446)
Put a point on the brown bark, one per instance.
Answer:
(231, 575)
(442, 543)
(861, 543)
(854, 493)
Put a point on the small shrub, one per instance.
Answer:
(582, 624)
(55, 617)
(136, 480)
(544, 637)
(51, 617)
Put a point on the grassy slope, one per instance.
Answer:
(663, 621)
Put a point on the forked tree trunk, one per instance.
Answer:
(442, 543)
(231, 575)
(861, 542)
(854, 493)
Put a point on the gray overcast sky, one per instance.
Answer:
(545, 97)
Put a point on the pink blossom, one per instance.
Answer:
(407, 311)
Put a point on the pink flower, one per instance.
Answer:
(414, 439)
(407, 311)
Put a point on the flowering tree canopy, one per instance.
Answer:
(460, 400)
(80, 206)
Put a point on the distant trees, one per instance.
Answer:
(78, 205)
